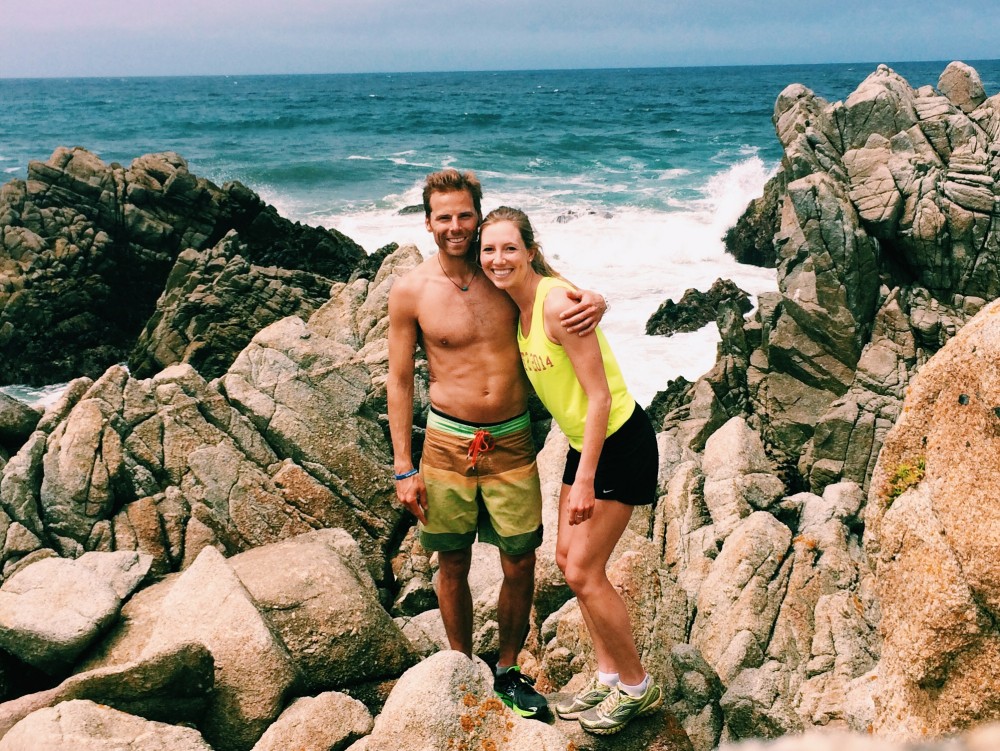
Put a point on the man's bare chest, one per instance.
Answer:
(463, 320)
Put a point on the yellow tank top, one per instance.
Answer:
(551, 374)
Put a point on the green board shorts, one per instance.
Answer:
(480, 479)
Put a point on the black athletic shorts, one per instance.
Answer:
(629, 464)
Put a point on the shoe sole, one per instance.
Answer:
(573, 714)
(618, 728)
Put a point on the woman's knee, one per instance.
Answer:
(562, 558)
(580, 576)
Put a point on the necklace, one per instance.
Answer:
(461, 288)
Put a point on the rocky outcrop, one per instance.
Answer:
(86, 247)
(696, 309)
(212, 304)
(288, 440)
(886, 247)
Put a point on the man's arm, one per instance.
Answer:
(399, 393)
(589, 310)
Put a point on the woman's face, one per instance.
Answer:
(503, 256)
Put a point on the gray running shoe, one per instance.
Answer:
(612, 714)
(591, 695)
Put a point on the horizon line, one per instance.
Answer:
(490, 70)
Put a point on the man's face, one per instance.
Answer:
(453, 221)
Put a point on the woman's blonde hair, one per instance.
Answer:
(520, 220)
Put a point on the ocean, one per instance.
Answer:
(631, 176)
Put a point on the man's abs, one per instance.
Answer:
(486, 389)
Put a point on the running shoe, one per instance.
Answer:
(517, 691)
(591, 695)
(617, 708)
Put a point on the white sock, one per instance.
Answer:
(636, 691)
(501, 670)
(608, 679)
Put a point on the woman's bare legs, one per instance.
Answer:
(582, 553)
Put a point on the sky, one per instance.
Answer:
(67, 38)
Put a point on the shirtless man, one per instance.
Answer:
(478, 473)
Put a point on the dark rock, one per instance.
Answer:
(214, 302)
(86, 247)
(751, 239)
(17, 421)
(695, 309)
(571, 215)
(675, 395)
(370, 265)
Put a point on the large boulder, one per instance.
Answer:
(317, 595)
(933, 535)
(52, 610)
(17, 421)
(447, 701)
(171, 686)
(253, 670)
(324, 722)
(87, 726)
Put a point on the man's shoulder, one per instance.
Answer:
(412, 281)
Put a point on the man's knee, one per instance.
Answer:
(518, 566)
(454, 564)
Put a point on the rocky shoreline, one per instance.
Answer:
(201, 550)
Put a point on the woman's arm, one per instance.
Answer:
(584, 353)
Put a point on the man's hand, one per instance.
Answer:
(413, 495)
(583, 317)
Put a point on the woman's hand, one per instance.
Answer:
(413, 495)
(580, 503)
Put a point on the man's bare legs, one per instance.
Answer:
(515, 689)
(514, 605)
(455, 598)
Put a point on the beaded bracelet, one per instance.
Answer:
(403, 476)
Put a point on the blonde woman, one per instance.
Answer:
(611, 466)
